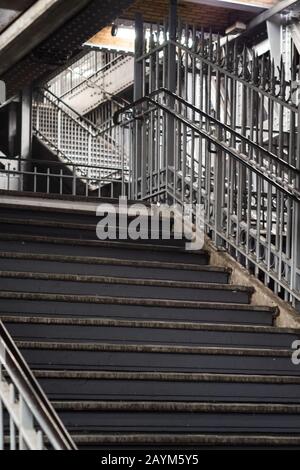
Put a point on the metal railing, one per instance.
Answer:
(250, 196)
(27, 419)
(76, 140)
(63, 178)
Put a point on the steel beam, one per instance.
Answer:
(280, 7)
(33, 27)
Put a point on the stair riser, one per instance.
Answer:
(112, 270)
(72, 389)
(172, 422)
(115, 334)
(81, 234)
(122, 290)
(73, 217)
(134, 312)
(104, 251)
(167, 362)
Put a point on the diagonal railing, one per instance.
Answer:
(27, 419)
(250, 196)
(76, 140)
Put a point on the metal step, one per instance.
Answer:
(60, 264)
(137, 357)
(82, 231)
(181, 442)
(124, 287)
(179, 417)
(131, 308)
(162, 386)
(96, 248)
(147, 332)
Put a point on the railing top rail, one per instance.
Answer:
(50, 163)
(294, 194)
(81, 118)
(101, 69)
(225, 127)
(97, 132)
(39, 404)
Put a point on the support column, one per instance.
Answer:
(26, 133)
(138, 170)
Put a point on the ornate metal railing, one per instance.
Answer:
(250, 196)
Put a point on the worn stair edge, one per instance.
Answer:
(153, 324)
(103, 243)
(151, 348)
(186, 439)
(166, 376)
(137, 302)
(173, 406)
(61, 197)
(125, 281)
(89, 211)
(114, 262)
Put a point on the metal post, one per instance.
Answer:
(171, 81)
(12, 130)
(138, 167)
(26, 131)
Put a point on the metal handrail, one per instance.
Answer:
(108, 65)
(23, 379)
(294, 194)
(209, 117)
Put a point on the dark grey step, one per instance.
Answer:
(134, 357)
(105, 385)
(137, 309)
(111, 267)
(60, 229)
(123, 287)
(178, 417)
(80, 216)
(147, 332)
(53, 245)
(181, 442)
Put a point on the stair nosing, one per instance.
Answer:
(274, 311)
(185, 439)
(153, 348)
(104, 243)
(166, 376)
(151, 324)
(71, 225)
(176, 406)
(92, 260)
(113, 280)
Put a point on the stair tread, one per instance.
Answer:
(153, 348)
(166, 376)
(179, 406)
(97, 243)
(186, 439)
(136, 301)
(114, 261)
(59, 197)
(69, 225)
(124, 280)
(100, 322)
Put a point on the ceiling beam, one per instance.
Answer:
(33, 27)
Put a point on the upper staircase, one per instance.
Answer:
(142, 344)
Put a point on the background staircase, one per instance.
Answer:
(142, 344)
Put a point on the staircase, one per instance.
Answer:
(142, 344)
